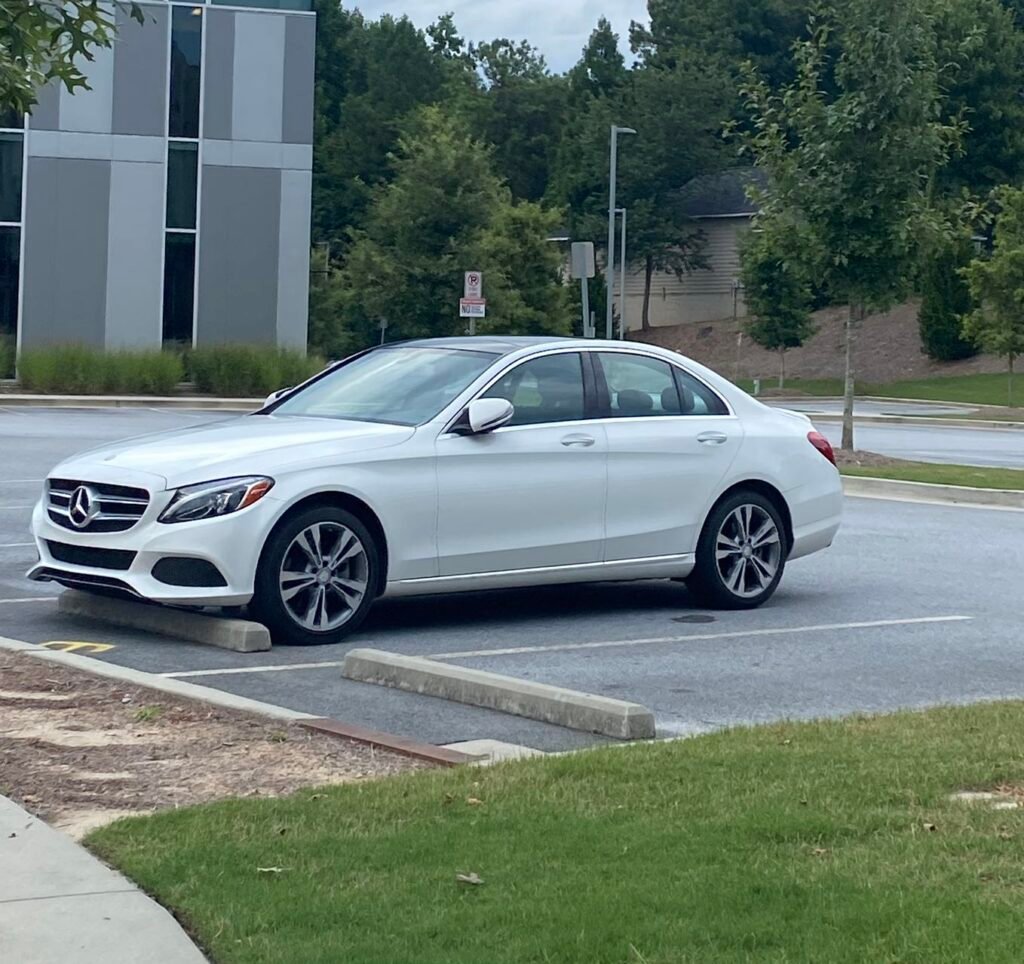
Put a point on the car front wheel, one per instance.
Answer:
(741, 554)
(316, 577)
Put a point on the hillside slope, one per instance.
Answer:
(888, 349)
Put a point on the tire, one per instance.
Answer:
(317, 577)
(747, 530)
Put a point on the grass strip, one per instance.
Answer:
(826, 841)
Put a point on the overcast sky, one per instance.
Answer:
(558, 28)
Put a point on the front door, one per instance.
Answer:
(671, 441)
(532, 494)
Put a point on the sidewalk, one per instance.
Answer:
(59, 905)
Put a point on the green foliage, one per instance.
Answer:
(981, 54)
(7, 351)
(997, 285)
(78, 370)
(44, 41)
(851, 165)
(237, 371)
(777, 291)
(945, 300)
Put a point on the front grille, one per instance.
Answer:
(120, 559)
(111, 508)
(180, 571)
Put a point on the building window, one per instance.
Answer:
(11, 120)
(182, 178)
(10, 253)
(179, 286)
(10, 176)
(186, 51)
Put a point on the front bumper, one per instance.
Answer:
(231, 543)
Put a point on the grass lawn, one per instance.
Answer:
(976, 389)
(816, 842)
(979, 478)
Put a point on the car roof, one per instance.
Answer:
(495, 344)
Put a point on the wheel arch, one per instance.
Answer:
(350, 503)
(769, 492)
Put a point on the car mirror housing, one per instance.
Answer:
(487, 414)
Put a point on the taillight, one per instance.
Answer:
(823, 445)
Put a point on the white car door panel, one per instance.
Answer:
(670, 443)
(521, 498)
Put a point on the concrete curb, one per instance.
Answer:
(238, 635)
(918, 421)
(205, 694)
(17, 399)
(507, 694)
(163, 684)
(927, 492)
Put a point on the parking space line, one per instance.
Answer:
(15, 545)
(276, 668)
(21, 481)
(31, 505)
(29, 599)
(699, 637)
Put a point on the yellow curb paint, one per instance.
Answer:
(65, 646)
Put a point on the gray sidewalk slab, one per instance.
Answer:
(60, 905)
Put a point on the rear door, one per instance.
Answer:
(671, 440)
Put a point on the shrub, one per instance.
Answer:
(7, 348)
(78, 370)
(945, 300)
(234, 371)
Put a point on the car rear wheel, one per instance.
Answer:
(741, 554)
(316, 578)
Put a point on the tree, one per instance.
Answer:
(945, 301)
(997, 285)
(43, 40)
(777, 291)
(850, 148)
(982, 56)
(601, 70)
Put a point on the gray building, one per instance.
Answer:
(171, 202)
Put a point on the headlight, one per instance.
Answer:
(210, 499)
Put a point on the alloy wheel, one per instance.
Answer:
(748, 550)
(324, 576)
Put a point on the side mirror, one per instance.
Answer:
(274, 396)
(487, 414)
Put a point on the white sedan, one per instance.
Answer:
(448, 465)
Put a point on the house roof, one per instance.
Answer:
(721, 195)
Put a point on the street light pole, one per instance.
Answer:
(622, 277)
(610, 259)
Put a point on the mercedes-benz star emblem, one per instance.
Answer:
(83, 507)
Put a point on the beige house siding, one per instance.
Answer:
(705, 295)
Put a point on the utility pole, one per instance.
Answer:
(622, 277)
(610, 260)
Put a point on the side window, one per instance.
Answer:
(639, 386)
(696, 398)
(548, 389)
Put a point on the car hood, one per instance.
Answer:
(251, 445)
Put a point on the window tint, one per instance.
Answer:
(639, 386)
(179, 286)
(697, 398)
(182, 178)
(10, 251)
(10, 176)
(548, 389)
(186, 49)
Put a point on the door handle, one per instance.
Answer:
(712, 438)
(578, 441)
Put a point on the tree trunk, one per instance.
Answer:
(853, 319)
(645, 319)
(782, 368)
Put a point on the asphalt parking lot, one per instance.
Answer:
(914, 605)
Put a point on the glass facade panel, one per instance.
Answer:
(10, 255)
(270, 4)
(186, 52)
(11, 118)
(10, 176)
(182, 174)
(179, 287)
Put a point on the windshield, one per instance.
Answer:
(400, 386)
